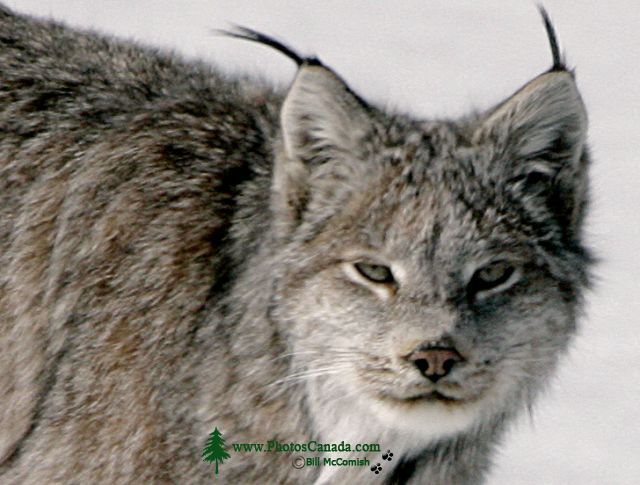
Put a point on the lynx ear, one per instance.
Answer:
(538, 137)
(322, 123)
(321, 113)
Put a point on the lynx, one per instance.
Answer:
(183, 250)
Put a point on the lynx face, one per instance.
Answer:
(433, 269)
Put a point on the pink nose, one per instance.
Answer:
(434, 363)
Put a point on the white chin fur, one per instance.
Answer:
(428, 420)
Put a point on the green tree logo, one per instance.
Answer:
(215, 449)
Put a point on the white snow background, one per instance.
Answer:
(437, 58)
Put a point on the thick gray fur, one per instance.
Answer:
(177, 253)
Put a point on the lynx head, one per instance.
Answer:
(431, 270)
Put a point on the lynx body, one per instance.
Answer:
(181, 250)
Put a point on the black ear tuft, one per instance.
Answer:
(245, 33)
(558, 61)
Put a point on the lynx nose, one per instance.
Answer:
(434, 363)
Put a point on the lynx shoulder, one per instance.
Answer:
(183, 251)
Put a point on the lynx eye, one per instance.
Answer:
(375, 272)
(492, 276)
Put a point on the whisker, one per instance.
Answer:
(309, 374)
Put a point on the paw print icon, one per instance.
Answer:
(376, 468)
(387, 456)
